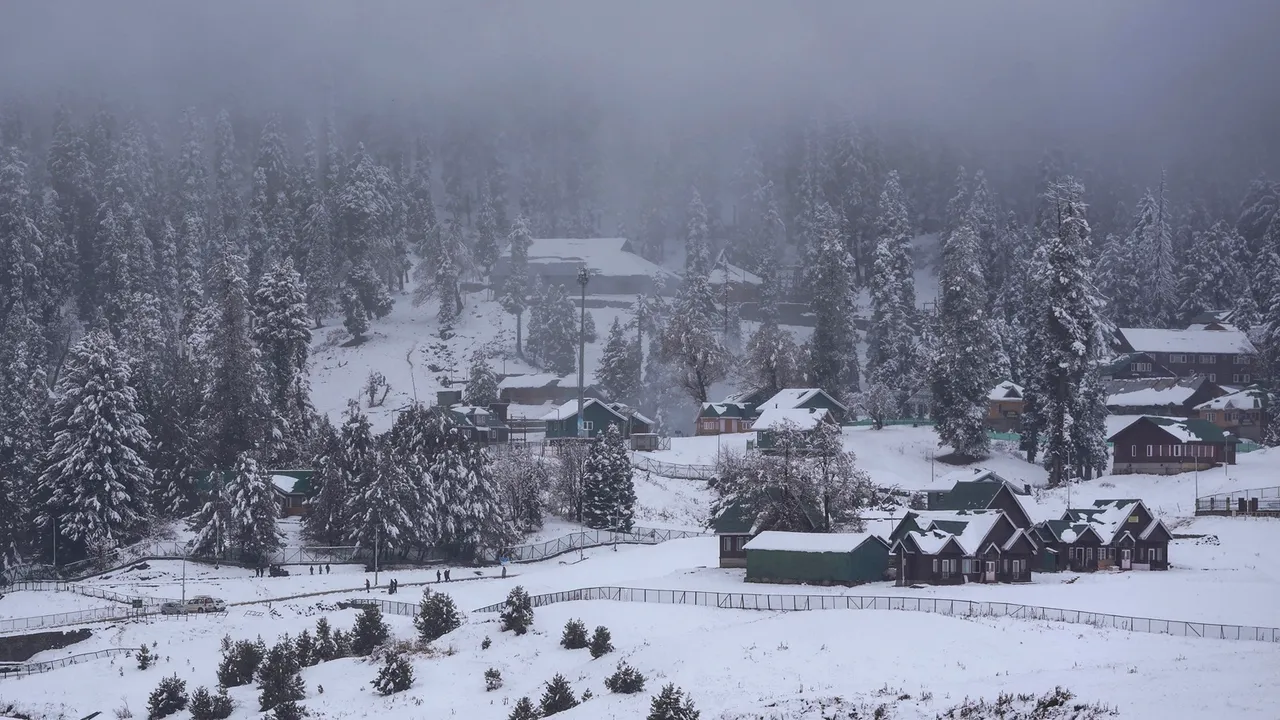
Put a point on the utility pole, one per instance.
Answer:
(377, 538)
(584, 275)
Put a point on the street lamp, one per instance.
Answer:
(584, 275)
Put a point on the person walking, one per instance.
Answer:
(446, 576)
(437, 576)
(312, 569)
(504, 571)
(366, 584)
(326, 568)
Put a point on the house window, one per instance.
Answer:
(935, 564)
(1213, 377)
(589, 426)
(1142, 367)
(1133, 518)
(1151, 450)
(1240, 378)
(968, 566)
(1213, 450)
(1177, 451)
(1208, 359)
(726, 544)
(1178, 359)
(1242, 359)
(1209, 416)
(1088, 554)
(1155, 554)
(1133, 451)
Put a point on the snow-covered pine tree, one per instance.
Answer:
(212, 523)
(833, 355)
(558, 340)
(536, 340)
(254, 510)
(278, 678)
(672, 704)
(236, 407)
(619, 373)
(965, 345)
(1119, 280)
(379, 499)
(282, 330)
(690, 342)
(94, 477)
(1212, 278)
(482, 382)
(893, 366)
(326, 523)
(608, 490)
(516, 291)
(24, 418)
(1257, 210)
(1152, 243)
(486, 249)
(470, 516)
(227, 177)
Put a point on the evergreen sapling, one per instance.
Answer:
(437, 616)
(574, 636)
(168, 698)
(601, 642)
(625, 680)
(524, 710)
(557, 696)
(395, 676)
(210, 706)
(369, 632)
(671, 704)
(517, 611)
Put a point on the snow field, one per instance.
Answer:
(28, 604)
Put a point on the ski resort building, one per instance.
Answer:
(1219, 352)
(816, 558)
(723, 417)
(562, 422)
(615, 267)
(981, 489)
(949, 548)
(542, 388)
(1004, 407)
(293, 491)
(1135, 366)
(1120, 534)
(739, 521)
(1168, 446)
(1243, 413)
(1177, 397)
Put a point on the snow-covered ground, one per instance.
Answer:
(28, 604)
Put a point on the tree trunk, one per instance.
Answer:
(519, 333)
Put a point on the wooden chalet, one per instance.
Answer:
(805, 399)
(1135, 366)
(816, 558)
(1243, 413)
(542, 388)
(1175, 397)
(1168, 446)
(739, 521)
(775, 420)
(616, 269)
(1004, 407)
(981, 489)
(1219, 352)
(1121, 534)
(293, 491)
(950, 548)
(723, 417)
(562, 422)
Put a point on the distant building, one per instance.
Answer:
(1176, 397)
(615, 267)
(1167, 446)
(740, 521)
(1135, 366)
(543, 388)
(950, 548)
(598, 415)
(1223, 355)
(816, 558)
(1122, 534)
(1244, 413)
(1004, 407)
(981, 489)
(293, 491)
(723, 417)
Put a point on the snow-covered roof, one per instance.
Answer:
(604, 256)
(727, 271)
(570, 408)
(284, 483)
(1152, 392)
(534, 380)
(624, 410)
(1187, 341)
(1013, 539)
(802, 418)
(809, 542)
(1113, 516)
(1182, 429)
(795, 397)
(931, 542)
(1007, 390)
(1247, 399)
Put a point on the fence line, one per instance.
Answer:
(76, 617)
(85, 590)
(941, 606)
(1253, 500)
(586, 539)
(673, 470)
(16, 670)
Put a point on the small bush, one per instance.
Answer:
(626, 680)
(278, 678)
(492, 679)
(325, 647)
(524, 710)
(486, 643)
(395, 676)
(123, 712)
(289, 710)
(557, 696)
(341, 644)
(239, 663)
(437, 617)
(575, 635)
(207, 706)
(145, 658)
(1060, 704)
(369, 632)
(671, 704)
(169, 697)
(587, 695)
(305, 649)
(601, 642)
(517, 615)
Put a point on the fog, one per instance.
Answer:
(1156, 80)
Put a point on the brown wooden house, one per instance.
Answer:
(1135, 366)
(1004, 407)
(723, 417)
(1219, 352)
(947, 548)
(1173, 397)
(1121, 534)
(981, 489)
(1243, 413)
(1167, 446)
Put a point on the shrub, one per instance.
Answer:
(369, 632)
(239, 663)
(305, 649)
(169, 697)
(437, 617)
(557, 696)
(325, 647)
(671, 704)
(341, 644)
(575, 635)
(517, 615)
(492, 679)
(395, 676)
(485, 643)
(524, 710)
(1059, 704)
(145, 658)
(587, 695)
(626, 680)
(601, 642)
(278, 678)
(289, 710)
(206, 706)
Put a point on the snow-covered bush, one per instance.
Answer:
(601, 642)
(395, 676)
(369, 632)
(1059, 704)
(278, 678)
(517, 614)
(325, 647)
(524, 710)
(210, 706)
(575, 635)
(240, 662)
(671, 704)
(492, 679)
(437, 617)
(289, 710)
(626, 680)
(305, 649)
(169, 697)
(557, 696)
(145, 658)
(486, 643)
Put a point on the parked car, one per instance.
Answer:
(197, 604)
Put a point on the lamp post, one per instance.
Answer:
(584, 275)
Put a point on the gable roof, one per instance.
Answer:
(1007, 390)
(802, 418)
(1250, 398)
(1123, 362)
(931, 542)
(604, 256)
(740, 518)
(1155, 392)
(1019, 534)
(792, 398)
(1186, 341)
(626, 411)
(723, 410)
(972, 490)
(1066, 531)
(811, 542)
(570, 409)
(1181, 429)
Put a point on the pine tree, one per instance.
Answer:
(671, 704)
(772, 355)
(168, 698)
(326, 522)
(619, 371)
(239, 663)
(437, 616)
(523, 710)
(482, 385)
(305, 649)
(326, 648)
(212, 524)
(1119, 280)
(893, 367)
(378, 503)
(690, 343)
(608, 489)
(574, 636)
(961, 367)
(516, 291)
(94, 475)
(517, 611)
(227, 174)
(278, 678)
(469, 514)
(833, 358)
(369, 632)
(486, 252)
(210, 706)
(601, 642)
(1212, 278)
(395, 676)
(282, 331)
(625, 680)
(1257, 211)
(253, 511)
(557, 696)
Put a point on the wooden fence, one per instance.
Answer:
(1256, 501)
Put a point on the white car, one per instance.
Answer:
(197, 604)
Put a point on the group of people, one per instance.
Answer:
(320, 569)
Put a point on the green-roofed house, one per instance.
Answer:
(1154, 445)
(739, 521)
(817, 558)
(981, 489)
(723, 417)
(293, 488)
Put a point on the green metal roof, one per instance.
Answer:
(969, 495)
(1201, 430)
